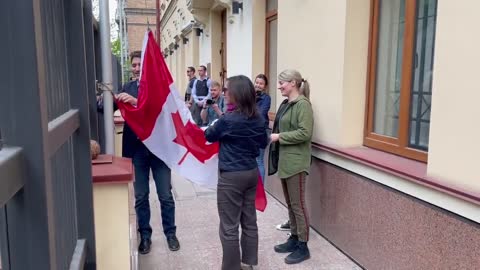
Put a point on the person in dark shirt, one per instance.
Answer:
(143, 161)
(188, 92)
(241, 133)
(263, 105)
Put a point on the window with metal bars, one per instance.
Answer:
(402, 42)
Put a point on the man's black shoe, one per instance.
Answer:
(173, 243)
(299, 255)
(288, 246)
(145, 245)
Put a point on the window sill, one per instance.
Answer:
(404, 168)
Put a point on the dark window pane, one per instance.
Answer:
(422, 74)
(391, 27)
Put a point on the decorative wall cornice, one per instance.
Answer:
(168, 14)
(140, 11)
(141, 24)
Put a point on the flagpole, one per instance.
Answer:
(107, 78)
(157, 25)
(120, 32)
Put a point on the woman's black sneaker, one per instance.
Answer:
(284, 226)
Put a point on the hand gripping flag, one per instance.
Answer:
(164, 124)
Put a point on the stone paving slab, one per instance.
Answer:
(197, 230)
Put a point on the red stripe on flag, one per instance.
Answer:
(153, 92)
(260, 197)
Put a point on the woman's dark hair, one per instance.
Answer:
(263, 77)
(242, 93)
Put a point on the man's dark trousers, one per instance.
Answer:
(143, 161)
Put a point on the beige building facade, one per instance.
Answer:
(394, 182)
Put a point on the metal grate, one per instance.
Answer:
(63, 180)
(423, 71)
(55, 62)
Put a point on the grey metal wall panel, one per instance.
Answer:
(78, 87)
(23, 120)
(46, 76)
(90, 59)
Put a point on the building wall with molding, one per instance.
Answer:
(328, 42)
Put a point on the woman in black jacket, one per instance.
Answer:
(241, 133)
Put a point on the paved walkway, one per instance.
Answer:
(197, 230)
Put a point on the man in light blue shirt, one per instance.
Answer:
(200, 93)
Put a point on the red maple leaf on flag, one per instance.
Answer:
(192, 137)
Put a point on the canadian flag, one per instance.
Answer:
(164, 124)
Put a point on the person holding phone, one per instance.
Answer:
(214, 106)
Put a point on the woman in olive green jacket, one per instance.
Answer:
(290, 156)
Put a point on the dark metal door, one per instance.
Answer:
(46, 214)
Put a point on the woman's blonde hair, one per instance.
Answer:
(290, 75)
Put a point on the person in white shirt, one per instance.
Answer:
(200, 93)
